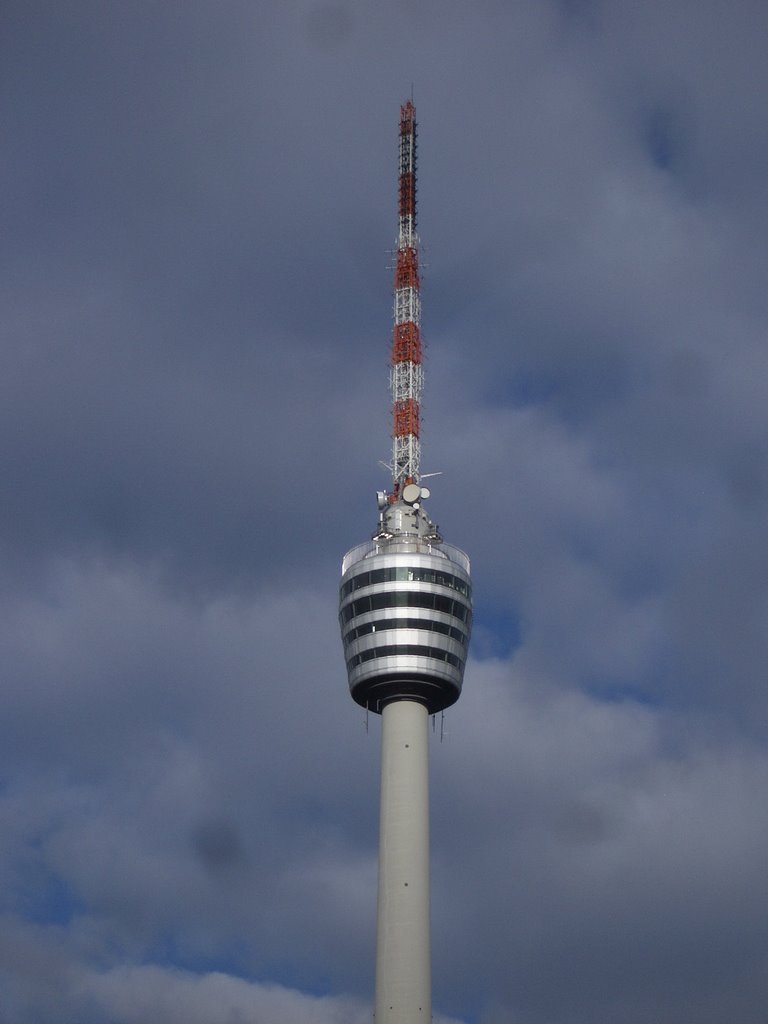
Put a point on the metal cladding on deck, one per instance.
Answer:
(406, 618)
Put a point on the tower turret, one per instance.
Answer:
(406, 615)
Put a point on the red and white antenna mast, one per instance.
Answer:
(406, 374)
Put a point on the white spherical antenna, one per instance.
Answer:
(411, 493)
(425, 492)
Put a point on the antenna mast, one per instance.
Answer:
(406, 374)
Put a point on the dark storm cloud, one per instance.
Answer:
(163, 269)
(195, 309)
(217, 844)
(605, 860)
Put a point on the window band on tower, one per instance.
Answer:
(409, 650)
(425, 625)
(406, 599)
(409, 574)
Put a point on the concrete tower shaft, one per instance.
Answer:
(403, 968)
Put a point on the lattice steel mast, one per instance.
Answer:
(407, 374)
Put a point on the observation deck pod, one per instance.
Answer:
(405, 614)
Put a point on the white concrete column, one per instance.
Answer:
(403, 977)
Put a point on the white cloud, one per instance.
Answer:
(146, 994)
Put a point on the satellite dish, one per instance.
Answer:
(411, 493)
(425, 492)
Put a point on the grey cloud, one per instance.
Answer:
(195, 329)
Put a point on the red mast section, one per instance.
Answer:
(406, 374)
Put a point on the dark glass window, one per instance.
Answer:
(428, 625)
(406, 599)
(407, 574)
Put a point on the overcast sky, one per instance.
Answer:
(198, 204)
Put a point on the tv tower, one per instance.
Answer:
(406, 615)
